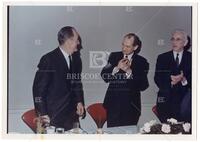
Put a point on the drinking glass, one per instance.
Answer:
(76, 127)
(60, 130)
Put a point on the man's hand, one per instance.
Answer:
(80, 109)
(177, 78)
(45, 120)
(124, 64)
(121, 63)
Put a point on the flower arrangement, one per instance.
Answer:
(171, 127)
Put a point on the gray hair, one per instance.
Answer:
(182, 32)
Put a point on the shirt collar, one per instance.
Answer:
(64, 53)
(180, 53)
(129, 56)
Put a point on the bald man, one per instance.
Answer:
(173, 78)
(58, 97)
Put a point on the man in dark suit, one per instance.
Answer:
(126, 72)
(57, 88)
(173, 78)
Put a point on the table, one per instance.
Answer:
(132, 129)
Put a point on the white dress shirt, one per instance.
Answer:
(180, 55)
(66, 55)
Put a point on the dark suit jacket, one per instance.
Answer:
(170, 97)
(55, 93)
(122, 99)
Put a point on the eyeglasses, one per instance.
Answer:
(127, 46)
(176, 39)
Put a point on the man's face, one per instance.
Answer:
(127, 45)
(71, 43)
(178, 41)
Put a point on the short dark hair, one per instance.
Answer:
(188, 45)
(79, 46)
(64, 34)
(137, 41)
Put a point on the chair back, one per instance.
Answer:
(155, 111)
(30, 119)
(98, 114)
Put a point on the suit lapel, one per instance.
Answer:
(118, 57)
(172, 61)
(62, 60)
(181, 65)
(133, 60)
(121, 56)
(182, 60)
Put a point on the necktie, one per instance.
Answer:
(177, 60)
(70, 63)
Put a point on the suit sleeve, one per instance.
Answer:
(188, 78)
(78, 87)
(40, 85)
(139, 81)
(162, 75)
(106, 72)
(188, 71)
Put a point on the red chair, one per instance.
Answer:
(30, 119)
(98, 114)
(155, 111)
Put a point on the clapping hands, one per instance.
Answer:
(177, 78)
(124, 64)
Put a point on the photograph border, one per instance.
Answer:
(5, 96)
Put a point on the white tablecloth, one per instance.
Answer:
(122, 130)
(133, 129)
